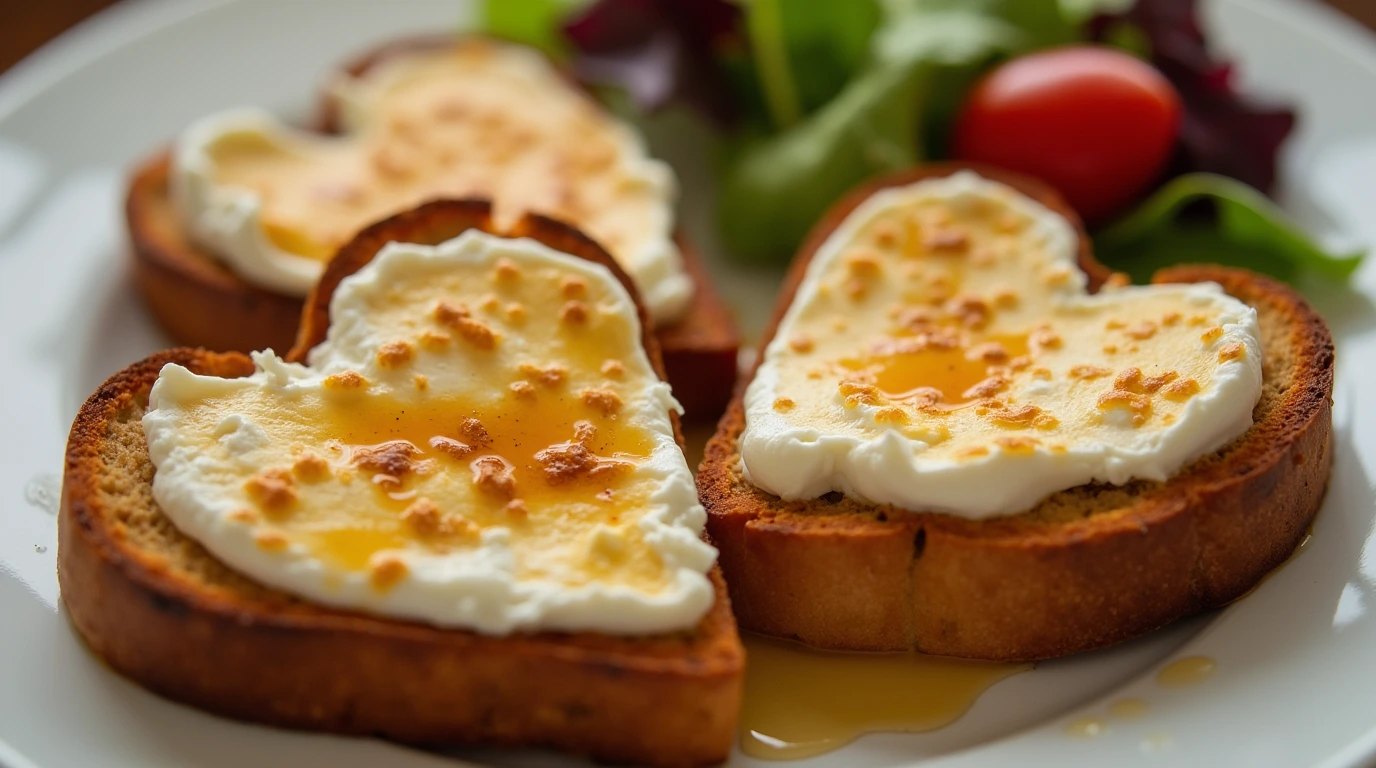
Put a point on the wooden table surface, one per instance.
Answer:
(27, 24)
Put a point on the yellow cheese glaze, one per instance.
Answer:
(942, 353)
(461, 123)
(482, 410)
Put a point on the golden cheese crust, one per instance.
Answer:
(162, 611)
(200, 302)
(1085, 568)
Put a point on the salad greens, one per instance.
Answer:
(1223, 131)
(1243, 229)
(779, 185)
(813, 98)
(806, 52)
(923, 52)
(533, 22)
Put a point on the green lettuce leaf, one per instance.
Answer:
(537, 23)
(1080, 11)
(1245, 229)
(778, 186)
(806, 52)
(922, 58)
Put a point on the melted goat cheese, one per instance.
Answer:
(481, 442)
(943, 354)
(476, 119)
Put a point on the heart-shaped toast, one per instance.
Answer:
(943, 353)
(480, 441)
(1080, 568)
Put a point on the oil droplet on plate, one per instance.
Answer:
(801, 702)
(1190, 670)
(1086, 727)
(1128, 709)
(1156, 742)
(43, 492)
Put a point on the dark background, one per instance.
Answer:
(27, 24)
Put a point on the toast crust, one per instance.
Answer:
(184, 625)
(200, 302)
(1086, 568)
(197, 300)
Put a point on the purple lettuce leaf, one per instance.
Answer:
(1222, 131)
(658, 51)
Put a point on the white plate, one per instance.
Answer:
(1296, 660)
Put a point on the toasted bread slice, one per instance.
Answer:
(1085, 567)
(164, 612)
(200, 302)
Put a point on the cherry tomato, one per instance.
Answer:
(1096, 123)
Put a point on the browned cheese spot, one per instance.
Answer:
(1017, 445)
(574, 312)
(858, 393)
(1138, 404)
(573, 287)
(1132, 380)
(1088, 372)
(345, 380)
(1023, 417)
(971, 311)
(863, 264)
(455, 449)
(474, 432)
(856, 288)
(1141, 331)
(1233, 351)
(494, 477)
(426, 519)
(986, 388)
(946, 240)
(573, 460)
(604, 401)
(273, 490)
(434, 340)
(891, 415)
(395, 354)
(310, 467)
(506, 271)
(386, 569)
(989, 352)
(459, 319)
(1181, 390)
(613, 369)
(549, 375)
(271, 541)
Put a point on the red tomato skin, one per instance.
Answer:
(1094, 122)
